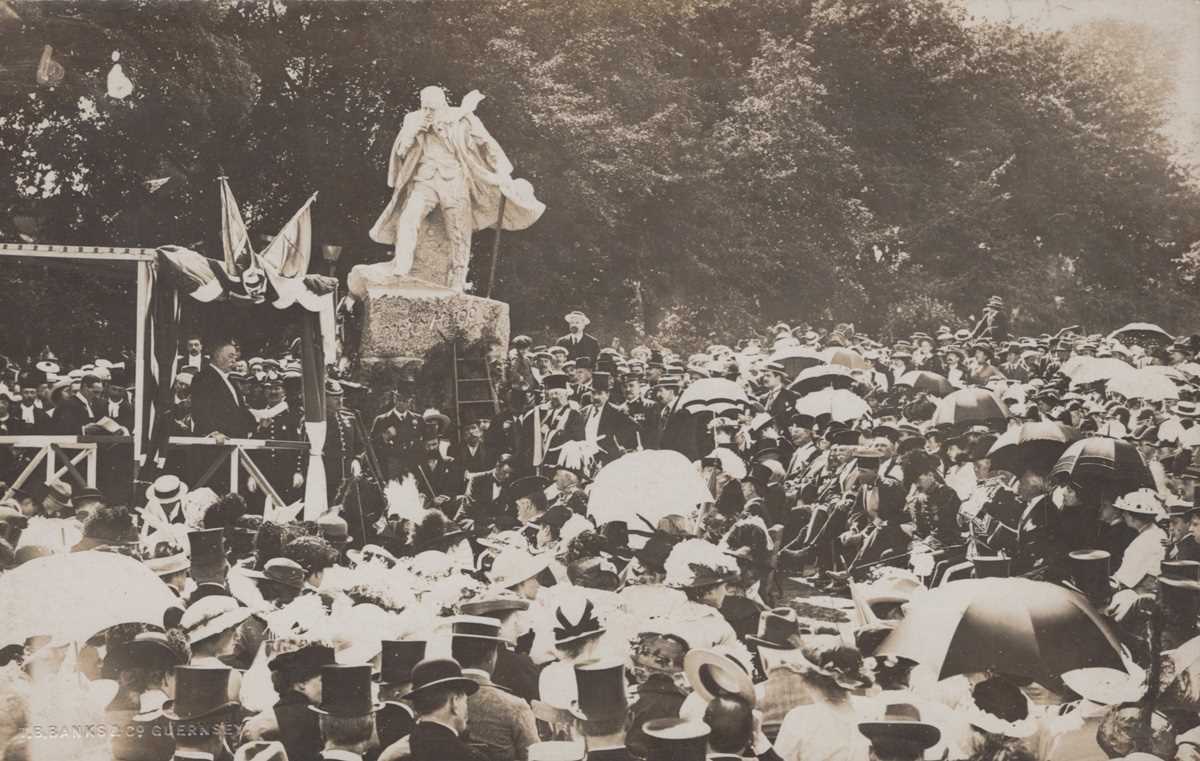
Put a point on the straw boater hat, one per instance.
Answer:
(169, 560)
(576, 316)
(212, 615)
(166, 489)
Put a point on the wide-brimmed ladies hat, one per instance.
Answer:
(1142, 502)
(212, 615)
(713, 674)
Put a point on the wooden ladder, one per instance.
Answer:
(471, 376)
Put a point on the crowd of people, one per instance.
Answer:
(640, 555)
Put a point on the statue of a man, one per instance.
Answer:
(445, 159)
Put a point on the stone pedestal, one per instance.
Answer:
(405, 319)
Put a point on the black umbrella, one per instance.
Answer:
(1113, 464)
(1035, 446)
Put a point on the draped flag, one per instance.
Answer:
(235, 241)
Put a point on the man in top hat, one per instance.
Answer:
(500, 722)
(201, 712)
(515, 670)
(602, 708)
(606, 425)
(993, 325)
(395, 719)
(117, 404)
(395, 432)
(555, 422)
(900, 734)
(217, 405)
(346, 712)
(439, 697)
(296, 677)
(576, 341)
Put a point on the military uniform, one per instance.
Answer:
(342, 445)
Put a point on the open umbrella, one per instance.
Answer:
(839, 355)
(1035, 446)
(1095, 369)
(970, 405)
(652, 483)
(841, 405)
(1018, 626)
(1113, 464)
(796, 358)
(1139, 333)
(714, 395)
(1150, 384)
(72, 597)
(923, 380)
(822, 376)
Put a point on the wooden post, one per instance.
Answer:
(139, 352)
(496, 246)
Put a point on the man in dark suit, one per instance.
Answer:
(32, 418)
(559, 421)
(217, 405)
(674, 428)
(483, 491)
(473, 453)
(80, 410)
(576, 342)
(439, 699)
(606, 425)
(779, 401)
(117, 406)
(396, 432)
(437, 477)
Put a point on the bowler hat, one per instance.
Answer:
(200, 692)
(346, 691)
(778, 628)
(304, 663)
(397, 659)
(440, 672)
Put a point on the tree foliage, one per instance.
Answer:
(734, 161)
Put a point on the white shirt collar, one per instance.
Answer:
(341, 755)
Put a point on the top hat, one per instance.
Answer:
(200, 692)
(166, 488)
(475, 627)
(282, 571)
(601, 381)
(901, 725)
(1090, 573)
(555, 381)
(992, 567)
(601, 688)
(557, 750)
(676, 739)
(712, 675)
(304, 663)
(207, 549)
(346, 691)
(440, 672)
(397, 659)
(778, 628)
(493, 605)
